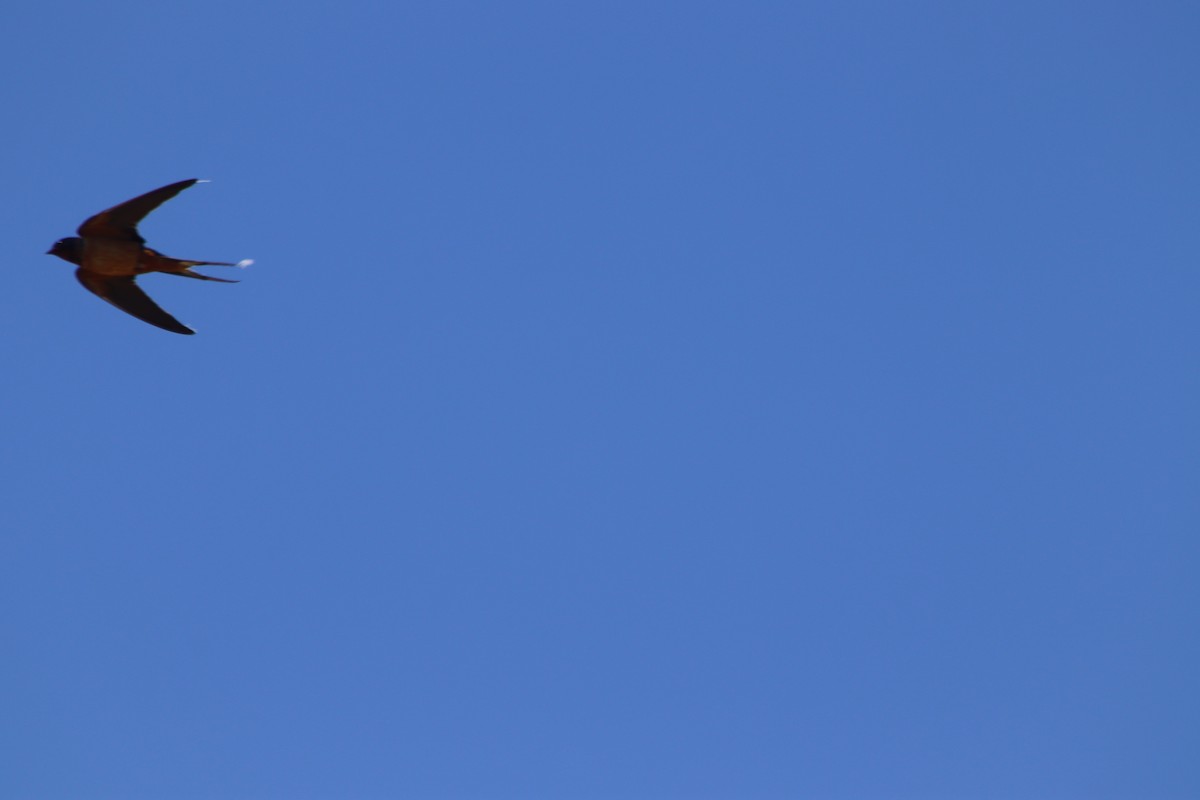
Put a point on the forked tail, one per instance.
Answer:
(187, 269)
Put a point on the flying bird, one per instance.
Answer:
(110, 254)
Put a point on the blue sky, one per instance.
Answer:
(655, 400)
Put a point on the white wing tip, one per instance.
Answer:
(245, 262)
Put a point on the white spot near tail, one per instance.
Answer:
(245, 262)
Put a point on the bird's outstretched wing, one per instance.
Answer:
(121, 221)
(125, 294)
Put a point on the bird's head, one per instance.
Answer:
(68, 249)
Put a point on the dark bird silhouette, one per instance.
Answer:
(110, 254)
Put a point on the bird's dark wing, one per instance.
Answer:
(120, 222)
(122, 292)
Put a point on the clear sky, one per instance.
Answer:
(629, 400)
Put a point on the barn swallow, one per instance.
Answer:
(110, 254)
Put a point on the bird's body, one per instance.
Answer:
(111, 257)
(110, 254)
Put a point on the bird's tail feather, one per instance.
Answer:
(187, 273)
(245, 262)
